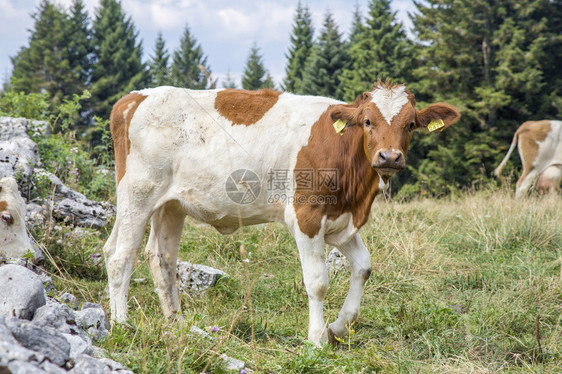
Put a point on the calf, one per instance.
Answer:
(14, 241)
(540, 149)
(232, 158)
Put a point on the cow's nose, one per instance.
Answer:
(389, 159)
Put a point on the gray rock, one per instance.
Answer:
(43, 339)
(113, 365)
(336, 261)
(74, 208)
(78, 345)
(21, 293)
(14, 351)
(88, 305)
(69, 299)
(85, 364)
(195, 277)
(93, 321)
(232, 364)
(18, 153)
(22, 367)
(59, 317)
(52, 368)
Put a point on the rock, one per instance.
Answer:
(69, 299)
(19, 156)
(93, 321)
(43, 339)
(232, 364)
(14, 241)
(336, 261)
(52, 368)
(18, 153)
(74, 208)
(78, 345)
(85, 364)
(59, 317)
(195, 277)
(21, 293)
(22, 367)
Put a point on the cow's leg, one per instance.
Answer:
(315, 276)
(524, 183)
(162, 254)
(120, 250)
(360, 261)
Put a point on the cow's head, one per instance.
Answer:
(388, 118)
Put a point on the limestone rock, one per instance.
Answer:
(21, 293)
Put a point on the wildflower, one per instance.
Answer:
(215, 329)
(242, 371)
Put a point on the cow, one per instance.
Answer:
(14, 240)
(232, 158)
(540, 149)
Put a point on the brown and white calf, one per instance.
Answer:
(14, 240)
(540, 149)
(213, 154)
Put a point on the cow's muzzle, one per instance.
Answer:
(389, 161)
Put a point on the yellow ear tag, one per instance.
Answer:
(436, 124)
(339, 125)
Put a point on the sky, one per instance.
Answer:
(226, 29)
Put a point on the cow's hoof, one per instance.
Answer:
(332, 338)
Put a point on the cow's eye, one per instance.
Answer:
(412, 126)
(367, 122)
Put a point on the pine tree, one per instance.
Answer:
(186, 71)
(488, 58)
(80, 45)
(356, 25)
(229, 81)
(324, 67)
(255, 75)
(159, 70)
(300, 50)
(117, 67)
(379, 50)
(45, 63)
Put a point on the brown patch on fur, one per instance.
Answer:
(357, 183)
(3, 205)
(119, 122)
(244, 107)
(530, 134)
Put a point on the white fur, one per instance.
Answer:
(389, 101)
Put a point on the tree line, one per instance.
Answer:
(496, 61)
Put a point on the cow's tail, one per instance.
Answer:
(499, 169)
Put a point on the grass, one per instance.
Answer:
(470, 284)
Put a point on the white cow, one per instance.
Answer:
(232, 158)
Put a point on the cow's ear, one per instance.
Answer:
(436, 112)
(348, 113)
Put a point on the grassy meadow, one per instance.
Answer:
(469, 284)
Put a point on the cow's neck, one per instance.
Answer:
(357, 182)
